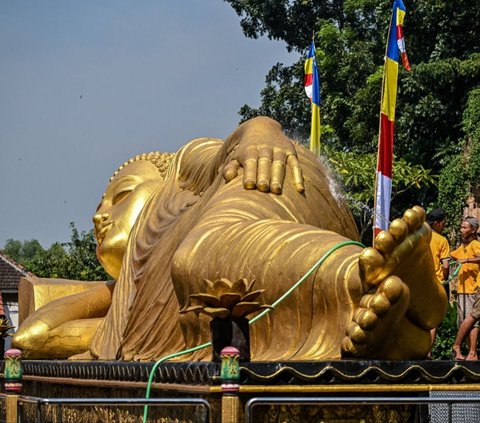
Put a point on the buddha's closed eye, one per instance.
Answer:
(120, 196)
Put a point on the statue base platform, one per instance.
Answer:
(328, 391)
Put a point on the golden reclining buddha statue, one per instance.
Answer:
(254, 206)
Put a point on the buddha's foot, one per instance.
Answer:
(376, 315)
(402, 299)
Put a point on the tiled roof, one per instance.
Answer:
(10, 273)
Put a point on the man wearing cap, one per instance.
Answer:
(468, 254)
(440, 251)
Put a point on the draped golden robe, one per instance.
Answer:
(196, 225)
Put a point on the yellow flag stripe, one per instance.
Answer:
(400, 16)
(315, 130)
(309, 65)
(389, 98)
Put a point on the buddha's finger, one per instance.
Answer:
(250, 166)
(294, 165)
(264, 169)
(278, 171)
(230, 170)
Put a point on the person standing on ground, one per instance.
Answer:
(440, 252)
(464, 329)
(468, 254)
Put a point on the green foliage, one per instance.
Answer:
(471, 116)
(444, 50)
(441, 29)
(460, 177)
(431, 101)
(436, 29)
(293, 20)
(22, 251)
(356, 175)
(471, 126)
(446, 333)
(72, 260)
(453, 192)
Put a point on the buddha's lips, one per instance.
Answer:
(101, 230)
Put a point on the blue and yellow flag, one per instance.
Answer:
(312, 88)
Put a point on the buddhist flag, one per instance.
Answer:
(394, 52)
(312, 88)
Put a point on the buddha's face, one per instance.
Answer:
(121, 204)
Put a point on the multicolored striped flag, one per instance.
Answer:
(395, 51)
(312, 88)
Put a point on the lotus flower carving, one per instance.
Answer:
(224, 299)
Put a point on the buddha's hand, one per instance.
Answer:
(264, 151)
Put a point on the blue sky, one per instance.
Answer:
(85, 85)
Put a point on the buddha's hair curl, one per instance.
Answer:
(160, 160)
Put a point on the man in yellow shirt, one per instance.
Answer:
(468, 254)
(439, 244)
(440, 251)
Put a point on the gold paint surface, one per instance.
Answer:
(123, 200)
(11, 404)
(230, 409)
(34, 292)
(47, 333)
(255, 206)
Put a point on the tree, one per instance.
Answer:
(433, 99)
(22, 251)
(72, 260)
(354, 172)
(443, 46)
(13, 249)
(460, 178)
(82, 257)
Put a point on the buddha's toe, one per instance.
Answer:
(403, 238)
(384, 243)
(377, 313)
(371, 262)
(413, 219)
(392, 288)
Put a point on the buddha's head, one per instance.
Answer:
(127, 192)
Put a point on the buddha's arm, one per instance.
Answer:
(65, 326)
(35, 292)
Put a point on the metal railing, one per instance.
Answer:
(249, 406)
(356, 400)
(86, 402)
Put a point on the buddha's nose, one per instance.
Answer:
(98, 218)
